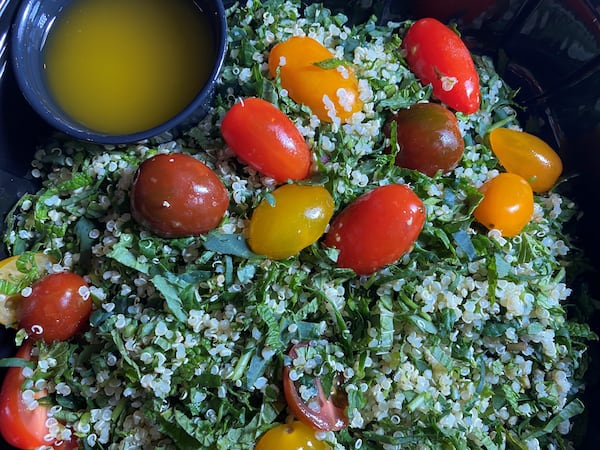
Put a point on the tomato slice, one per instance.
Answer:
(16, 270)
(330, 416)
(19, 426)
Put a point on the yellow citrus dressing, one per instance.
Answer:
(124, 66)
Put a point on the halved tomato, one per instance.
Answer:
(21, 426)
(14, 271)
(331, 412)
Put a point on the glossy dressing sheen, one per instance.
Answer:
(123, 66)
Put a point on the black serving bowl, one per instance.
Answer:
(549, 49)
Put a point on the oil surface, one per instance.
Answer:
(124, 66)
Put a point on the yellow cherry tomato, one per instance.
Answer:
(507, 204)
(526, 155)
(330, 92)
(290, 436)
(32, 266)
(294, 218)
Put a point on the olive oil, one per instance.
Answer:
(124, 66)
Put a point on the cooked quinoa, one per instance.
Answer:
(463, 343)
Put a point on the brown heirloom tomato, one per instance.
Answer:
(428, 138)
(176, 195)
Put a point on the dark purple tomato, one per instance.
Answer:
(175, 195)
(428, 138)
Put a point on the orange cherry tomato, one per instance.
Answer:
(176, 195)
(296, 220)
(290, 436)
(20, 426)
(438, 56)
(377, 228)
(507, 204)
(262, 136)
(526, 155)
(329, 92)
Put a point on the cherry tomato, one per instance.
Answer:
(176, 195)
(526, 155)
(331, 414)
(438, 56)
(57, 308)
(296, 219)
(428, 138)
(377, 228)
(330, 92)
(290, 436)
(20, 426)
(507, 204)
(35, 265)
(263, 137)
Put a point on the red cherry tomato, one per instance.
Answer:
(330, 92)
(428, 138)
(176, 195)
(263, 137)
(20, 426)
(330, 416)
(438, 56)
(526, 155)
(507, 204)
(377, 228)
(290, 436)
(57, 308)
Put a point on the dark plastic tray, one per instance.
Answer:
(548, 48)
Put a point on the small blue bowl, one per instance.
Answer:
(31, 26)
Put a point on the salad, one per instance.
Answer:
(256, 324)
